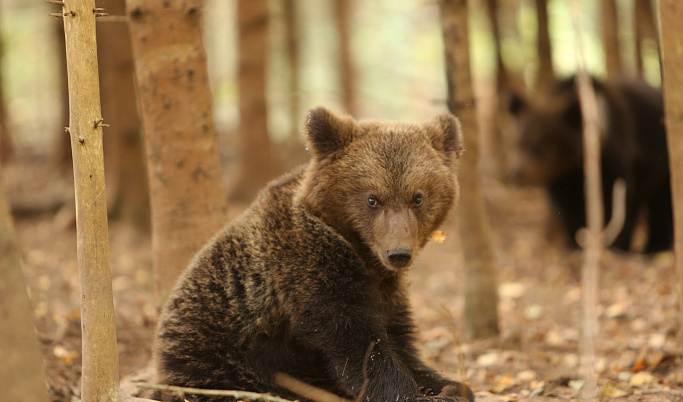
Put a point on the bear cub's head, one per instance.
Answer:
(383, 186)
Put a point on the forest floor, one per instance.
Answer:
(537, 355)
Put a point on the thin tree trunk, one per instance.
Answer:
(22, 376)
(6, 148)
(610, 37)
(594, 214)
(186, 187)
(63, 144)
(492, 125)
(671, 15)
(545, 60)
(501, 72)
(481, 291)
(100, 381)
(347, 73)
(256, 165)
(291, 22)
(646, 28)
(124, 153)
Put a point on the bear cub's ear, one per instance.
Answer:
(327, 132)
(446, 136)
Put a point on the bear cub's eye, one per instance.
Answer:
(418, 200)
(372, 201)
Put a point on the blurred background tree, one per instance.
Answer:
(271, 60)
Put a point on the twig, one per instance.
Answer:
(316, 394)
(366, 380)
(180, 391)
(113, 18)
(674, 392)
(456, 342)
(306, 390)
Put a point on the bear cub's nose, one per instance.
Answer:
(399, 257)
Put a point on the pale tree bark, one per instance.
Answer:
(545, 74)
(610, 37)
(671, 15)
(291, 22)
(22, 376)
(342, 12)
(593, 246)
(646, 28)
(481, 291)
(100, 356)
(186, 188)
(256, 161)
(124, 154)
(63, 144)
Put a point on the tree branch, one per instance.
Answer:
(181, 391)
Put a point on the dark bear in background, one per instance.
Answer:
(633, 141)
(311, 280)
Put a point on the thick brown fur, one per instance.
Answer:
(312, 275)
(633, 149)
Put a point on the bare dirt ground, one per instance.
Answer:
(536, 356)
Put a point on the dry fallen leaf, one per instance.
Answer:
(613, 392)
(64, 355)
(642, 378)
(639, 365)
(438, 236)
(526, 375)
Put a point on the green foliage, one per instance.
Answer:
(396, 45)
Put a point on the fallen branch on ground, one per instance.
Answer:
(306, 390)
(181, 391)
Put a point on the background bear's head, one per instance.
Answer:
(548, 136)
(384, 186)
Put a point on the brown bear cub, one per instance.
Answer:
(311, 280)
(633, 148)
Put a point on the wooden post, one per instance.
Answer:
(100, 379)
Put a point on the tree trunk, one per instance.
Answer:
(124, 153)
(492, 126)
(63, 144)
(6, 148)
(291, 22)
(501, 72)
(610, 37)
(671, 14)
(545, 60)
(186, 185)
(481, 292)
(646, 28)
(256, 164)
(22, 376)
(347, 73)
(100, 379)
